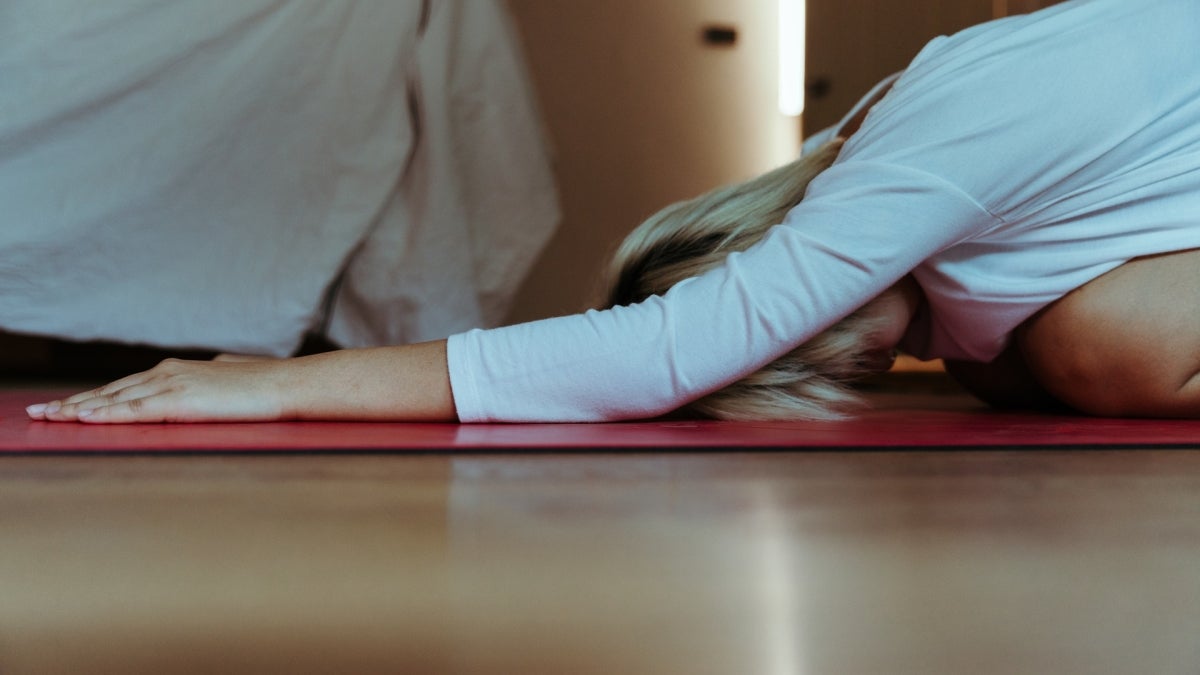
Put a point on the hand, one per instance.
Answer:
(178, 391)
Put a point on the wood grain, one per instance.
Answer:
(1043, 561)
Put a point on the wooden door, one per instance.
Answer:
(1010, 7)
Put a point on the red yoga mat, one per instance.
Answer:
(963, 425)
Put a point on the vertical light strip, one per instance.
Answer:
(792, 27)
(783, 630)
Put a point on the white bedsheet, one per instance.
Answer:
(187, 173)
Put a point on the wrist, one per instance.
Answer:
(403, 383)
(285, 387)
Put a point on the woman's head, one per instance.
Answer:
(691, 237)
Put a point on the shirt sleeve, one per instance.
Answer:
(862, 226)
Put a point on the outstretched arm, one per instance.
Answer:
(405, 383)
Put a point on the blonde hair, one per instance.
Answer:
(686, 239)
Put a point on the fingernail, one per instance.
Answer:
(36, 409)
(53, 407)
(85, 413)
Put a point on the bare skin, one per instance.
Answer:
(406, 383)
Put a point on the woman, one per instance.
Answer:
(1024, 202)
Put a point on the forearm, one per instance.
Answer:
(407, 383)
(402, 383)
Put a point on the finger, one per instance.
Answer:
(108, 389)
(150, 409)
(58, 411)
(142, 390)
(63, 411)
(44, 411)
(37, 411)
(66, 409)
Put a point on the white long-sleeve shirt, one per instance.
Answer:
(1010, 163)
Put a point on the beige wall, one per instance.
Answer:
(642, 113)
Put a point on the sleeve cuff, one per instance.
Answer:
(460, 357)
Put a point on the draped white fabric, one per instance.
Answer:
(232, 175)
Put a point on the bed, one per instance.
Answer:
(235, 176)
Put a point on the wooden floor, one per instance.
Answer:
(1027, 561)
